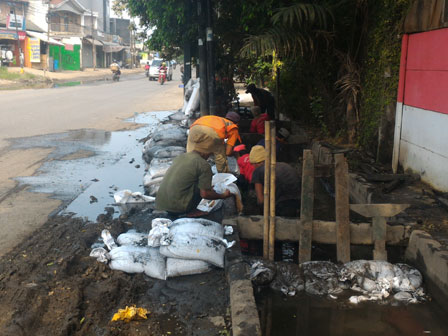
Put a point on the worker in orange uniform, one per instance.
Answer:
(219, 134)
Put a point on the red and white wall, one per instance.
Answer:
(421, 122)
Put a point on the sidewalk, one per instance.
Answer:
(68, 76)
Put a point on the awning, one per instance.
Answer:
(43, 37)
(110, 47)
(97, 43)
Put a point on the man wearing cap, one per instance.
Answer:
(242, 158)
(219, 135)
(264, 99)
(187, 181)
(287, 184)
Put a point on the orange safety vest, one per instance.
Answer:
(222, 126)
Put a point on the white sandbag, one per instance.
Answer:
(127, 196)
(161, 221)
(193, 102)
(197, 226)
(157, 233)
(132, 237)
(156, 266)
(191, 246)
(169, 152)
(159, 167)
(138, 259)
(128, 258)
(149, 180)
(179, 267)
(170, 132)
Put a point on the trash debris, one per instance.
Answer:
(129, 314)
(228, 230)
(127, 196)
(374, 280)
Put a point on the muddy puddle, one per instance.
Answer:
(86, 167)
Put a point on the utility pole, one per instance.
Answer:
(203, 94)
(18, 39)
(93, 37)
(46, 67)
(187, 45)
(210, 60)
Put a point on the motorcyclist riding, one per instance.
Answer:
(147, 69)
(162, 73)
(115, 68)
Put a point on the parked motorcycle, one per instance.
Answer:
(162, 76)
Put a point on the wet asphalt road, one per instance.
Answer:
(35, 122)
(99, 105)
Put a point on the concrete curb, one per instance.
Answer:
(245, 319)
(429, 257)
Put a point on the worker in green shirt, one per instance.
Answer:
(187, 181)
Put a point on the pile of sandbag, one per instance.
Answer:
(374, 280)
(166, 141)
(183, 247)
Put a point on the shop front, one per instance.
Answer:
(11, 43)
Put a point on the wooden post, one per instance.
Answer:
(306, 207)
(267, 169)
(342, 209)
(379, 212)
(379, 238)
(272, 193)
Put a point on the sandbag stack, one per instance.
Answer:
(183, 247)
(166, 143)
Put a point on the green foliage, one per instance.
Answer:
(381, 65)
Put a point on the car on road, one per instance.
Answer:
(154, 69)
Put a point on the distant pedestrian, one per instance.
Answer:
(264, 99)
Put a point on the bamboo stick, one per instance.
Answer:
(267, 168)
(272, 193)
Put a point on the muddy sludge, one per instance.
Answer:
(50, 285)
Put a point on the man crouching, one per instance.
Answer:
(187, 181)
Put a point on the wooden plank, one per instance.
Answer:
(378, 210)
(324, 232)
(342, 209)
(272, 193)
(379, 230)
(306, 207)
(267, 167)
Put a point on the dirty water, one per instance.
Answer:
(307, 315)
(104, 162)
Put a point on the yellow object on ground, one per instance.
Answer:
(130, 313)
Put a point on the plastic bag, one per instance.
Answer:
(108, 239)
(130, 313)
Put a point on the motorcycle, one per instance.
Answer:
(162, 76)
(116, 75)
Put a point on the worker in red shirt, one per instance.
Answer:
(257, 124)
(242, 157)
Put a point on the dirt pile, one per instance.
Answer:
(50, 286)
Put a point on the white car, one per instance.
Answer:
(154, 69)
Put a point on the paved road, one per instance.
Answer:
(25, 113)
